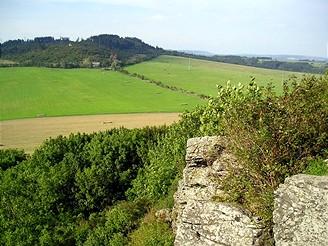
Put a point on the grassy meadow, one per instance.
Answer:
(34, 92)
(202, 76)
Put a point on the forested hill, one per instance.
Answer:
(101, 50)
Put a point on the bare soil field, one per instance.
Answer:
(28, 134)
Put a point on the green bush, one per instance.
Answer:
(119, 221)
(153, 233)
(11, 157)
(165, 163)
(49, 196)
(273, 136)
(317, 167)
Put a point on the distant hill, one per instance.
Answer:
(274, 57)
(198, 52)
(103, 50)
(291, 57)
(303, 64)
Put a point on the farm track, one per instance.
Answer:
(28, 134)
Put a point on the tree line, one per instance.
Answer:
(264, 62)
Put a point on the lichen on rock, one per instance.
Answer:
(301, 211)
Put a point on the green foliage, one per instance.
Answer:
(317, 167)
(64, 53)
(152, 233)
(166, 161)
(11, 157)
(272, 136)
(119, 221)
(48, 197)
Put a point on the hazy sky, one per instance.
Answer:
(298, 27)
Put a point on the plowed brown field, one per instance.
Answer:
(28, 134)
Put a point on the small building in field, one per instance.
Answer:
(95, 64)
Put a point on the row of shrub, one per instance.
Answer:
(103, 188)
(163, 85)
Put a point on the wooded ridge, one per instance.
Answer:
(113, 51)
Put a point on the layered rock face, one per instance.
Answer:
(301, 211)
(198, 219)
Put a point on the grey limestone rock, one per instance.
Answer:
(301, 211)
(212, 223)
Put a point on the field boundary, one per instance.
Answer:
(163, 85)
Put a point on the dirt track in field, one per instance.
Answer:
(28, 134)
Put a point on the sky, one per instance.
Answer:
(295, 27)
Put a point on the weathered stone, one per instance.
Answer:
(200, 151)
(186, 193)
(301, 211)
(211, 223)
(199, 179)
(197, 219)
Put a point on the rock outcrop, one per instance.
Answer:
(301, 211)
(197, 218)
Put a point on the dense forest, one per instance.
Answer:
(104, 188)
(112, 51)
(102, 50)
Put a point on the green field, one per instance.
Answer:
(202, 76)
(35, 92)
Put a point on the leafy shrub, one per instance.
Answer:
(152, 232)
(49, 196)
(120, 220)
(272, 136)
(165, 163)
(317, 167)
(11, 157)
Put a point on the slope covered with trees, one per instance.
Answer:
(107, 50)
(103, 188)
